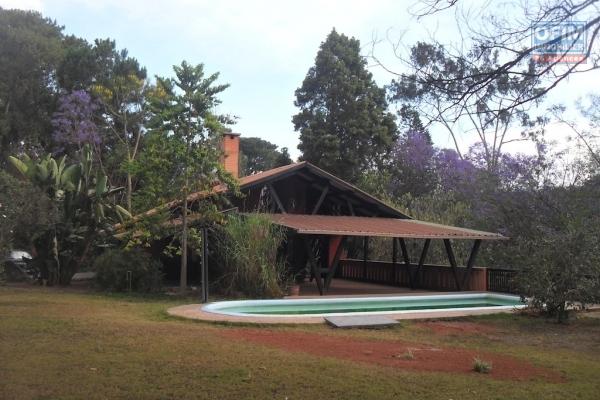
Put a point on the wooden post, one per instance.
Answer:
(471, 262)
(204, 270)
(395, 259)
(316, 270)
(421, 262)
(334, 263)
(406, 258)
(365, 255)
(452, 260)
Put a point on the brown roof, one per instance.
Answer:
(340, 184)
(374, 226)
(265, 175)
(261, 177)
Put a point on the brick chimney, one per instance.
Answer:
(231, 153)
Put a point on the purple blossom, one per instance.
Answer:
(413, 159)
(517, 169)
(510, 170)
(73, 122)
(454, 172)
(415, 151)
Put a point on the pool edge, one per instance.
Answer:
(205, 313)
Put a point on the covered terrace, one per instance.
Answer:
(404, 270)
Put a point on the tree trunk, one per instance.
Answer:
(129, 191)
(184, 227)
(129, 183)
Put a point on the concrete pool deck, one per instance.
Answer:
(195, 311)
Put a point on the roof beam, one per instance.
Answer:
(275, 197)
(350, 207)
(320, 201)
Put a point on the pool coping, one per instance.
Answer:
(199, 312)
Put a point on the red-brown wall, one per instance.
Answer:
(433, 277)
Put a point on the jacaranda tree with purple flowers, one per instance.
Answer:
(73, 123)
(412, 165)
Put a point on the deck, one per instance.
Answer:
(345, 287)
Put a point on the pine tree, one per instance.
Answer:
(344, 124)
(186, 154)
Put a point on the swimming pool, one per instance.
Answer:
(320, 307)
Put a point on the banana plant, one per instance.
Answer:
(85, 200)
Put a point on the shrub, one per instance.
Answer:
(112, 268)
(483, 367)
(249, 246)
(563, 270)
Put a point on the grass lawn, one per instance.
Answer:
(66, 345)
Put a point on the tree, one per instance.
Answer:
(509, 37)
(40, 69)
(85, 212)
(73, 122)
(558, 246)
(343, 122)
(412, 165)
(185, 123)
(283, 158)
(586, 136)
(483, 113)
(562, 270)
(23, 211)
(410, 120)
(125, 112)
(158, 169)
(30, 50)
(260, 155)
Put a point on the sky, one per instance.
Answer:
(263, 48)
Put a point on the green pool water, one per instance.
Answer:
(363, 305)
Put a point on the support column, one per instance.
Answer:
(365, 255)
(395, 259)
(335, 262)
(204, 270)
(316, 270)
(406, 258)
(471, 262)
(452, 261)
(419, 274)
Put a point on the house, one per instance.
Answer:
(328, 216)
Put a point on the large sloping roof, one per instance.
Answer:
(374, 226)
(305, 168)
(310, 171)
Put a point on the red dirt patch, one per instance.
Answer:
(456, 327)
(392, 354)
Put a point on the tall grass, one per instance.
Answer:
(249, 247)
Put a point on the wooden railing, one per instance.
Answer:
(432, 277)
(501, 280)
